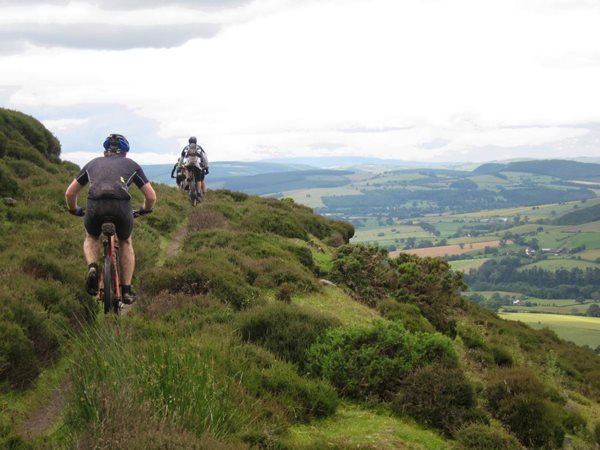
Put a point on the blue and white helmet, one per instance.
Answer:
(117, 143)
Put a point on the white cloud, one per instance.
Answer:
(64, 125)
(376, 77)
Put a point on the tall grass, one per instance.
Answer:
(165, 380)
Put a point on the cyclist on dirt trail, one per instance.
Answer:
(109, 177)
(194, 156)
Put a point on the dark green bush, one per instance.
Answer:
(476, 436)
(597, 433)
(366, 271)
(406, 313)
(437, 396)
(286, 330)
(365, 362)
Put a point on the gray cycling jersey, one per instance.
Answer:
(193, 154)
(110, 177)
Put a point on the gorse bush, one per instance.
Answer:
(406, 313)
(286, 330)
(365, 362)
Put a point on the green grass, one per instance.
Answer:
(334, 299)
(355, 427)
(467, 264)
(580, 330)
(554, 264)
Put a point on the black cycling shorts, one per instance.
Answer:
(112, 210)
(198, 173)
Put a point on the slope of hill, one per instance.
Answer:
(241, 340)
(583, 215)
(565, 169)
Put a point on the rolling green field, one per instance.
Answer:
(580, 330)
(561, 263)
(467, 264)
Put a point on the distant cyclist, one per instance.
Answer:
(109, 177)
(178, 174)
(194, 158)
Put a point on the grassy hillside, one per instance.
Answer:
(266, 330)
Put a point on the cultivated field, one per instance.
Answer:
(448, 249)
(580, 330)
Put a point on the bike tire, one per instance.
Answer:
(109, 285)
(194, 191)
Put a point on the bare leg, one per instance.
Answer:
(127, 260)
(203, 186)
(199, 187)
(91, 248)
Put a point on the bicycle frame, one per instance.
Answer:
(110, 245)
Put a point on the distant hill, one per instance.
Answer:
(224, 170)
(280, 182)
(583, 215)
(565, 169)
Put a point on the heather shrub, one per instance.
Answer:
(437, 396)
(597, 433)
(518, 399)
(274, 221)
(574, 422)
(18, 363)
(477, 436)
(8, 185)
(304, 399)
(286, 330)
(275, 272)
(371, 361)
(201, 219)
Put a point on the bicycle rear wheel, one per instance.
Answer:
(194, 191)
(109, 285)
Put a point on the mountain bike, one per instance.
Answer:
(195, 194)
(109, 292)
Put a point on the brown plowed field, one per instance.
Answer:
(448, 249)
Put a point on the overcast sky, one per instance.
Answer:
(419, 80)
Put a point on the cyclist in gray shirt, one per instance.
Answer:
(109, 177)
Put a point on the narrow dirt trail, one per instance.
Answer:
(47, 414)
(174, 244)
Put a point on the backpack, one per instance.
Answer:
(192, 150)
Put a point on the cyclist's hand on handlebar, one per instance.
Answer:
(141, 212)
(78, 211)
(206, 171)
